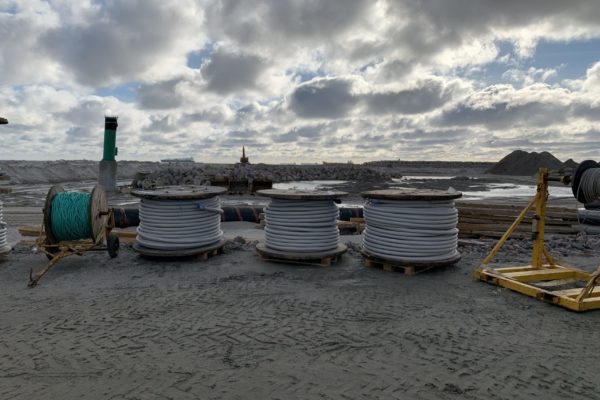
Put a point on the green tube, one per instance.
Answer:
(110, 138)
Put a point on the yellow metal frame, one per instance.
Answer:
(520, 279)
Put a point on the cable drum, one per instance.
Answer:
(179, 220)
(585, 182)
(589, 186)
(3, 231)
(411, 226)
(179, 224)
(301, 226)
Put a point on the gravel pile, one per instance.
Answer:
(522, 163)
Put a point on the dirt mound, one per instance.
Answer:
(522, 163)
(571, 164)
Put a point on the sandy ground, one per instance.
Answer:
(236, 327)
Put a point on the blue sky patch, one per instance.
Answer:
(125, 92)
(195, 59)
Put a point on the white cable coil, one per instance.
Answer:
(179, 224)
(413, 231)
(3, 229)
(302, 226)
(589, 185)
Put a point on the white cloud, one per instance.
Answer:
(296, 79)
(530, 76)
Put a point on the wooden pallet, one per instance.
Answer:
(323, 262)
(354, 226)
(407, 267)
(324, 259)
(203, 253)
(4, 251)
(124, 235)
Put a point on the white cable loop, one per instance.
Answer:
(302, 226)
(3, 229)
(419, 231)
(179, 224)
(589, 185)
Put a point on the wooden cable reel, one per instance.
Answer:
(101, 222)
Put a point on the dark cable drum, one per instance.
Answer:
(247, 214)
(346, 213)
(126, 217)
(577, 177)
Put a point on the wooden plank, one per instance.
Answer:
(493, 232)
(494, 235)
(523, 225)
(546, 274)
(30, 230)
(35, 231)
(498, 206)
(521, 228)
(515, 211)
(510, 218)
(526, 222)
(512, 211)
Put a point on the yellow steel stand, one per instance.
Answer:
(522, 279)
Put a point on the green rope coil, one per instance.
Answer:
(70, 217)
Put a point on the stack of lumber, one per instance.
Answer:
(492, 220)
(354, 226)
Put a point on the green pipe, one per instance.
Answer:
(110, 138)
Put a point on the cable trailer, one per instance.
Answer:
(93, 234)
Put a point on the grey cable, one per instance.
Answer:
(589, 185)
(302, 226)
(419, 231)
(179, 224)
(3, 229)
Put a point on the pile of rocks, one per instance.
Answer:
(581, 244)
(205, 173)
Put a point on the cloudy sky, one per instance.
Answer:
(300, 80)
